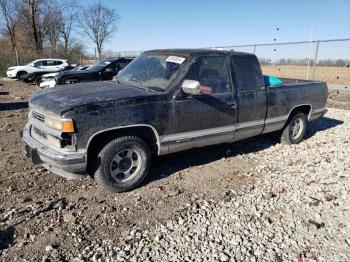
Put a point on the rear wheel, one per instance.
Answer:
(294, 131)
(122, 164)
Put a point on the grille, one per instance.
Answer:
(39, 132)
(38, 116)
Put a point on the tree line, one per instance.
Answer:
(38, 28)
(303, 61)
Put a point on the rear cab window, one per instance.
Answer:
(247, 73)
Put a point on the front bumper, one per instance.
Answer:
(48, 84)
(11, 74)
(71, 165)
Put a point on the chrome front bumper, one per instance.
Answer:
(71, 165)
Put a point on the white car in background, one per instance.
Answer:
(41, 65)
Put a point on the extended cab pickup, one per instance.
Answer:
(163, 102)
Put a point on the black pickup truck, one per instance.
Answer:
(163, 102)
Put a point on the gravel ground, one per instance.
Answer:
(255, 200)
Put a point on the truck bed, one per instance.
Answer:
(288, 81)
(292, 93)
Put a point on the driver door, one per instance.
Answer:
(207, 118)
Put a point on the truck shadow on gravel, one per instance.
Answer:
(13, 106)
(167, 165)
(6, 237)
(321, 124)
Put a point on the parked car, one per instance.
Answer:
(103, 70)
(36, 77)
(42, 65)
(163, 102)
(46, 79)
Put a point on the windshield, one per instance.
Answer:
(99, 65)
(30, 63)
(151, 71)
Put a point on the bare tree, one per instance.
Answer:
(99, 23)
(51, 24)
(32, 19)
(9, 12)
(69, 15)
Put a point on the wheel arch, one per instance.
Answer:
(147, 132)
(304, 108)
(69, 78)
(21, 72)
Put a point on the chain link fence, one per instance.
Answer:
(325, 60)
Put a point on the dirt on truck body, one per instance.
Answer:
(163, 102)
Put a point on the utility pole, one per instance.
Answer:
(308, 57)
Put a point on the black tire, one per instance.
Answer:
(20, 74)
(110, 160)
(37, 80)
(294, 131)
(71, 81)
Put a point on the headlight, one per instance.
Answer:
(11, 68)
(54, 141)
(64, 125)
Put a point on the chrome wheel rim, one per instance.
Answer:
(296, 128)
(125, 165)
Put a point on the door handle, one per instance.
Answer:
(232, 104)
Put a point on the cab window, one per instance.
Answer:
(212, 74)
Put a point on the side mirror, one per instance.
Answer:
(109, 70)
(191, 87)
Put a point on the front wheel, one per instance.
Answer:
(294, 131)
(71, 81)
(20, 75)
(37, 80)
(122, 164)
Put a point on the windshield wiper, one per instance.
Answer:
(133, 79)
(156, 88)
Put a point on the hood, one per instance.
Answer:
(61, 99)
(15, 67)
(75, 73)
